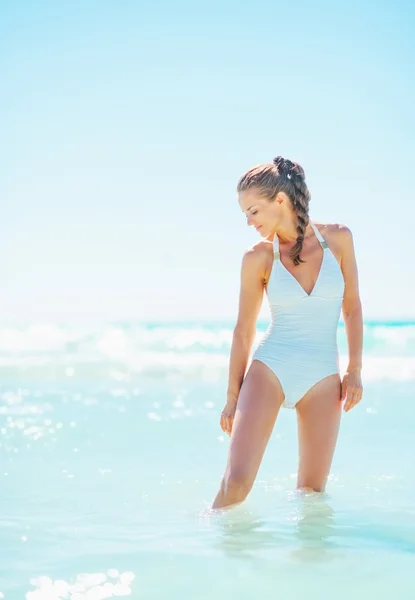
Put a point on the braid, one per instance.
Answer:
(301, 202)
(283, 175)
(300, 198)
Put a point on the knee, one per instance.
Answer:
(236, 486)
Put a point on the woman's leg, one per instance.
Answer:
(318, 417)
(259, 401)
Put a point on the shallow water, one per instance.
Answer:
(111, 454)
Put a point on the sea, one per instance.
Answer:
(111, 454)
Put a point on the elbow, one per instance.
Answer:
(352, 309)
(245, 334)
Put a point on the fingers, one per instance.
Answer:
(343, 391)
(354, 396)
(223, 423)
(226, 424)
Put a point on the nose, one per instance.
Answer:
(249, 220)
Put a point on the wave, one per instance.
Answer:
(128, 352)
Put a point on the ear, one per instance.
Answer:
(280, 197)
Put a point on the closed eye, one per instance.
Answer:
(254, 212)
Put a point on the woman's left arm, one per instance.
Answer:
(352, 388)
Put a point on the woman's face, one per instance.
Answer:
(260, 212)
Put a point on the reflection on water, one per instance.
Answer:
(245, 535)
(303, 530)
(315, 529)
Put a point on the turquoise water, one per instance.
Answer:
(111, 454)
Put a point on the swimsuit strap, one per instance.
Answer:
(276, 247)
(276, 242)
(320, 238)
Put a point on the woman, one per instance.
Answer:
(309, 273)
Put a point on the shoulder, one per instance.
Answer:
(335, 231)
(338, 236)
(257, 257)
(259, 251)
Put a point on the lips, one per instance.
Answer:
(258, 228)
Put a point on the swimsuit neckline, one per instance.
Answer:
(323, 244)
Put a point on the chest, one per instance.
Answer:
(318, 276)
(307, 272)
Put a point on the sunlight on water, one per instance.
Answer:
(93, 586)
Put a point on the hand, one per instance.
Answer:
(228, 414)
(352, 389)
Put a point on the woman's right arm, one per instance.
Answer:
(250, 301)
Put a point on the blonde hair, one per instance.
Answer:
(282, 175)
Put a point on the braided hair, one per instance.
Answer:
(283, 175)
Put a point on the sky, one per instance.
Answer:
(125, 127)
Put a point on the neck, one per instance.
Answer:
(287, 232)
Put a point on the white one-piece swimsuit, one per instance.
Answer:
(300, 344)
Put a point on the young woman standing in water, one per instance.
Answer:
(309, 273)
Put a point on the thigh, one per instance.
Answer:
(318, 417)
(259, 401)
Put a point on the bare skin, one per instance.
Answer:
(254, 398)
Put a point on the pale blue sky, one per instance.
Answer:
(126, 125)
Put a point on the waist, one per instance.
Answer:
(313, 337)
